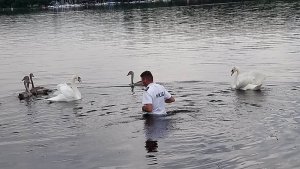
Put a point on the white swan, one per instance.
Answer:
(67, 93)
(247, 81)
(132, 84)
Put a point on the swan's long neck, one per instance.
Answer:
(132, 76)
(75, 89)
(26, 86)
(237, 72)
(73, 82)
(32, 85)
(235, 78)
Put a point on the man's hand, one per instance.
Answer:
(170, 100)
(147, 108)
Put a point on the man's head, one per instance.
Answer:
(146, 77)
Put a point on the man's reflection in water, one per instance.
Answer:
(156, 127)
(151, 146)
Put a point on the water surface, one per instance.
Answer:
(189, 49)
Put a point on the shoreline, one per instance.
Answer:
(128, 4)
(124, 3)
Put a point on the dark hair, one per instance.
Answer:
(147, 74)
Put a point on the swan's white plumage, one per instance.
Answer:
(247, 81)
(67, 92)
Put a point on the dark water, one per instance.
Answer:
(190, 50)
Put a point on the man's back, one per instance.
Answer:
(156, 95)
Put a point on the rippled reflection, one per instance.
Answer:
(156, 127)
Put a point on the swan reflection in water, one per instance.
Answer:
(257, 96)
(156, 127)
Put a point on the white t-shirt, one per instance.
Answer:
(156, 95)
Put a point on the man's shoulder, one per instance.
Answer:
(156, 85)
(150, 88)
(146, 89)
(154, 88)
(159, 86)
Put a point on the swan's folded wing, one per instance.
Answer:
(243, 80)
(59, 97)
(258, 78)
(57, 92)
(66, 90)
(250, 80)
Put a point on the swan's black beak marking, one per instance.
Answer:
(79, 79)
(232, 72)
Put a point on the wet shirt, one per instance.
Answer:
(156, 95)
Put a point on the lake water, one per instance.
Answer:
(189, 49)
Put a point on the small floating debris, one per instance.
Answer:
(185, 95)
(225, 91)
(91, 111)
(226, 120)
(222, 91)
(252, 104)
(80, 115)
(214, 101)
(77, 108)
(112, 105)
(274, 136)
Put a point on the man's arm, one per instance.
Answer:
(147, 102)
(170, 100)
(147, 108)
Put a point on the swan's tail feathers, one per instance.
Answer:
(258, 87)
(259, 78)
(252, 87)
(233, 86)
(56, 93)
(57, 98)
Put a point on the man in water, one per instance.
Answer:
(155, 96)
